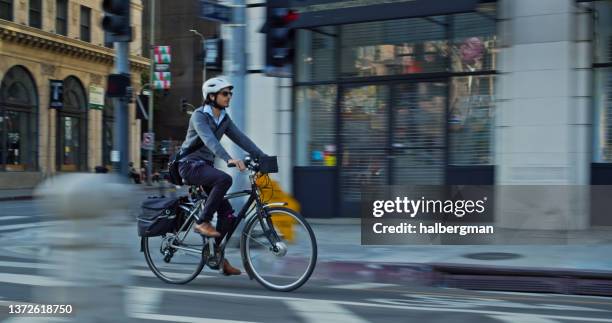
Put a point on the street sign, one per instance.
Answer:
(216, 12)
(214, 53)
(115, 156)
(162, 67)
(57, 94)
(148, 140)
(96, 97)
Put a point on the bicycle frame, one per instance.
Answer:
(253, 202)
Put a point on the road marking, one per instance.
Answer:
(33, 265)
(148, 273)
(138, 301)
(33, 280)
(12, 217)
(602, 298)
(177, 318)
(27, 225)
(525, 298)
(524, 318)
(363, 304)
(311, 310)
(363, 286)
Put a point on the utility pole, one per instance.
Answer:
(237, 62)
(122, 115)
(203, 44)
(236, 66)
(116, 23)
(151, 90)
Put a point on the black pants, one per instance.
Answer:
(215, 183)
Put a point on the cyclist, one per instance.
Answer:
(209, 123)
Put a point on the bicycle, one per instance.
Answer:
(262, 238)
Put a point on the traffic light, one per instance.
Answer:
(116, 21)
(279, 38)
(118, 86)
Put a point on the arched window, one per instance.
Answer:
(108, 129)
(18, 115)
(72, 128)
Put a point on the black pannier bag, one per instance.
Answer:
(158, 216)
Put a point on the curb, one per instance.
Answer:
(473, 277)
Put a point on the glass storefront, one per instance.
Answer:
(398, 101)
(602, 95)
(18, 117)
(72, 128)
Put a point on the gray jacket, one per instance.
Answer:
(202, 125)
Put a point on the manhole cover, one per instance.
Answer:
(492, 256)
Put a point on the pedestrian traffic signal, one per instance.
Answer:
(279, 38)
(118, 85)
(116, 21)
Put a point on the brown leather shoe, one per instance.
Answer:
(228, 270)
(205, 228)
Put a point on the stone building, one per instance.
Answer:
(59, 40)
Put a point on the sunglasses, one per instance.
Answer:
(227, 93)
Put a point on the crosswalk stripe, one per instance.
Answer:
(32, 265)
(148, 273)
(311, 310)
(12, 217)
(27, 225)
(370, 304)
(178, 318)
(33, 280)
(360, 286)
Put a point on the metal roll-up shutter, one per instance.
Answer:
(316, 125)
(364, 134)
(419, 133)
(471, 120)
(392, 47)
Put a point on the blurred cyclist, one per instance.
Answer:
(209, 123)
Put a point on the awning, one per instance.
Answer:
(316, 13)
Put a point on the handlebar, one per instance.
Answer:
(265, 164)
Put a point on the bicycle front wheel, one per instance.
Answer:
(288, 263)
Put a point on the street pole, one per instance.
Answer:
(236, 65)
(151, 91)
(203, 43)
(121, 141)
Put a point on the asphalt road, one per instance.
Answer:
(215, 298)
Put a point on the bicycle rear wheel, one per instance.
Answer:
(287, 265)
(172, 261)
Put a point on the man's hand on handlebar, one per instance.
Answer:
(236, 163)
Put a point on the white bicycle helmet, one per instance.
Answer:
(215, 85)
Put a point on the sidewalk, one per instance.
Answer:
(582, 266)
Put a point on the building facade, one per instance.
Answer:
(466, 92)
(43, 42)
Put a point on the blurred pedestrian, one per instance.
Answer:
(133, 173)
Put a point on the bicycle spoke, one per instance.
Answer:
(255, 239)
(290, 263)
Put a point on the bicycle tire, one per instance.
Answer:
(250, 268)
(200, 266)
